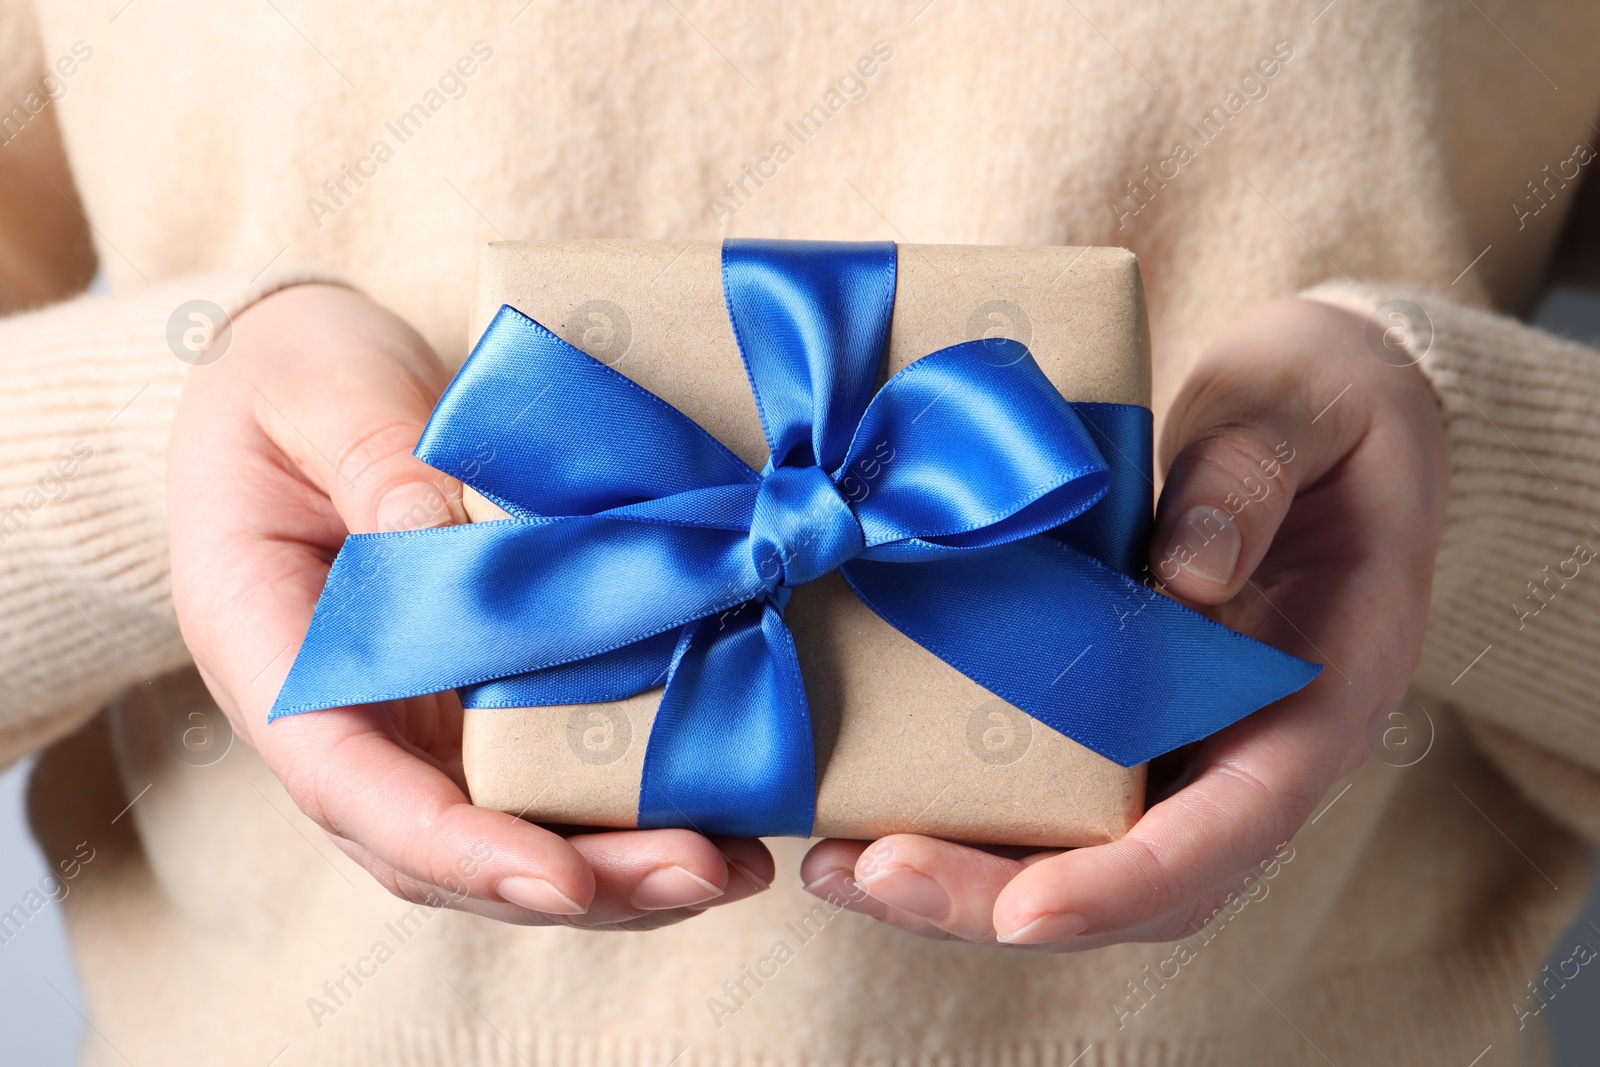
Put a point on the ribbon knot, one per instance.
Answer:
(801, 528)
(983, 522)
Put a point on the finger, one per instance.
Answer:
(353, 436)
(1257, 783)
(829, 874)
(344, 771)
(624, 862)
(952, 886)
(1225, 496)
(455, 898)
(750, 871)
(751, 868)
(1248, 434)
(435, 896)
(357, 782)
(640, 871)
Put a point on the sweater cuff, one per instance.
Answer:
(1516, 594)
(87, 393)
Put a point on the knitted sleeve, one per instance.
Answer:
(87, 392)
(1513, 634)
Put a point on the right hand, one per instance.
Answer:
(1303, 505)
(299, 435)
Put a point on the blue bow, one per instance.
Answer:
(966, 503)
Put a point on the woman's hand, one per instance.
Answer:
(1303, 506)
(301, 433)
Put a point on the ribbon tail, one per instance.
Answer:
(1087, 651)
(613, 675)
(425, 611)
(730, 752)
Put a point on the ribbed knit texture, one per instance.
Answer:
(1516, 599)
(87, 391)
(214, 145)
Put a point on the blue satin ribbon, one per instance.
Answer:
(965, 502)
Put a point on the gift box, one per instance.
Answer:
(987, 521)
(903, 740)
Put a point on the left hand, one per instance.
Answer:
(302, 435)
(1303, 506)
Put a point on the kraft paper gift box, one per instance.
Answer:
(904, 742)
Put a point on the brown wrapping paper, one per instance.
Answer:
(904, 742)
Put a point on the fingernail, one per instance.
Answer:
(1052, 927)
(536, 894)
(840, 889)
(413, 506)
(1206, 543)
(671, 887)
(761, 884)
(909, 890)
(873, 860)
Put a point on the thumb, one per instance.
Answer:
(373, 480)
(352, 432)
(381, 487)
(1226, 494)
(1245, 439)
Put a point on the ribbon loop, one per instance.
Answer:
(519, 420)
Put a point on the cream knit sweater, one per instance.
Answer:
(1424, 149)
